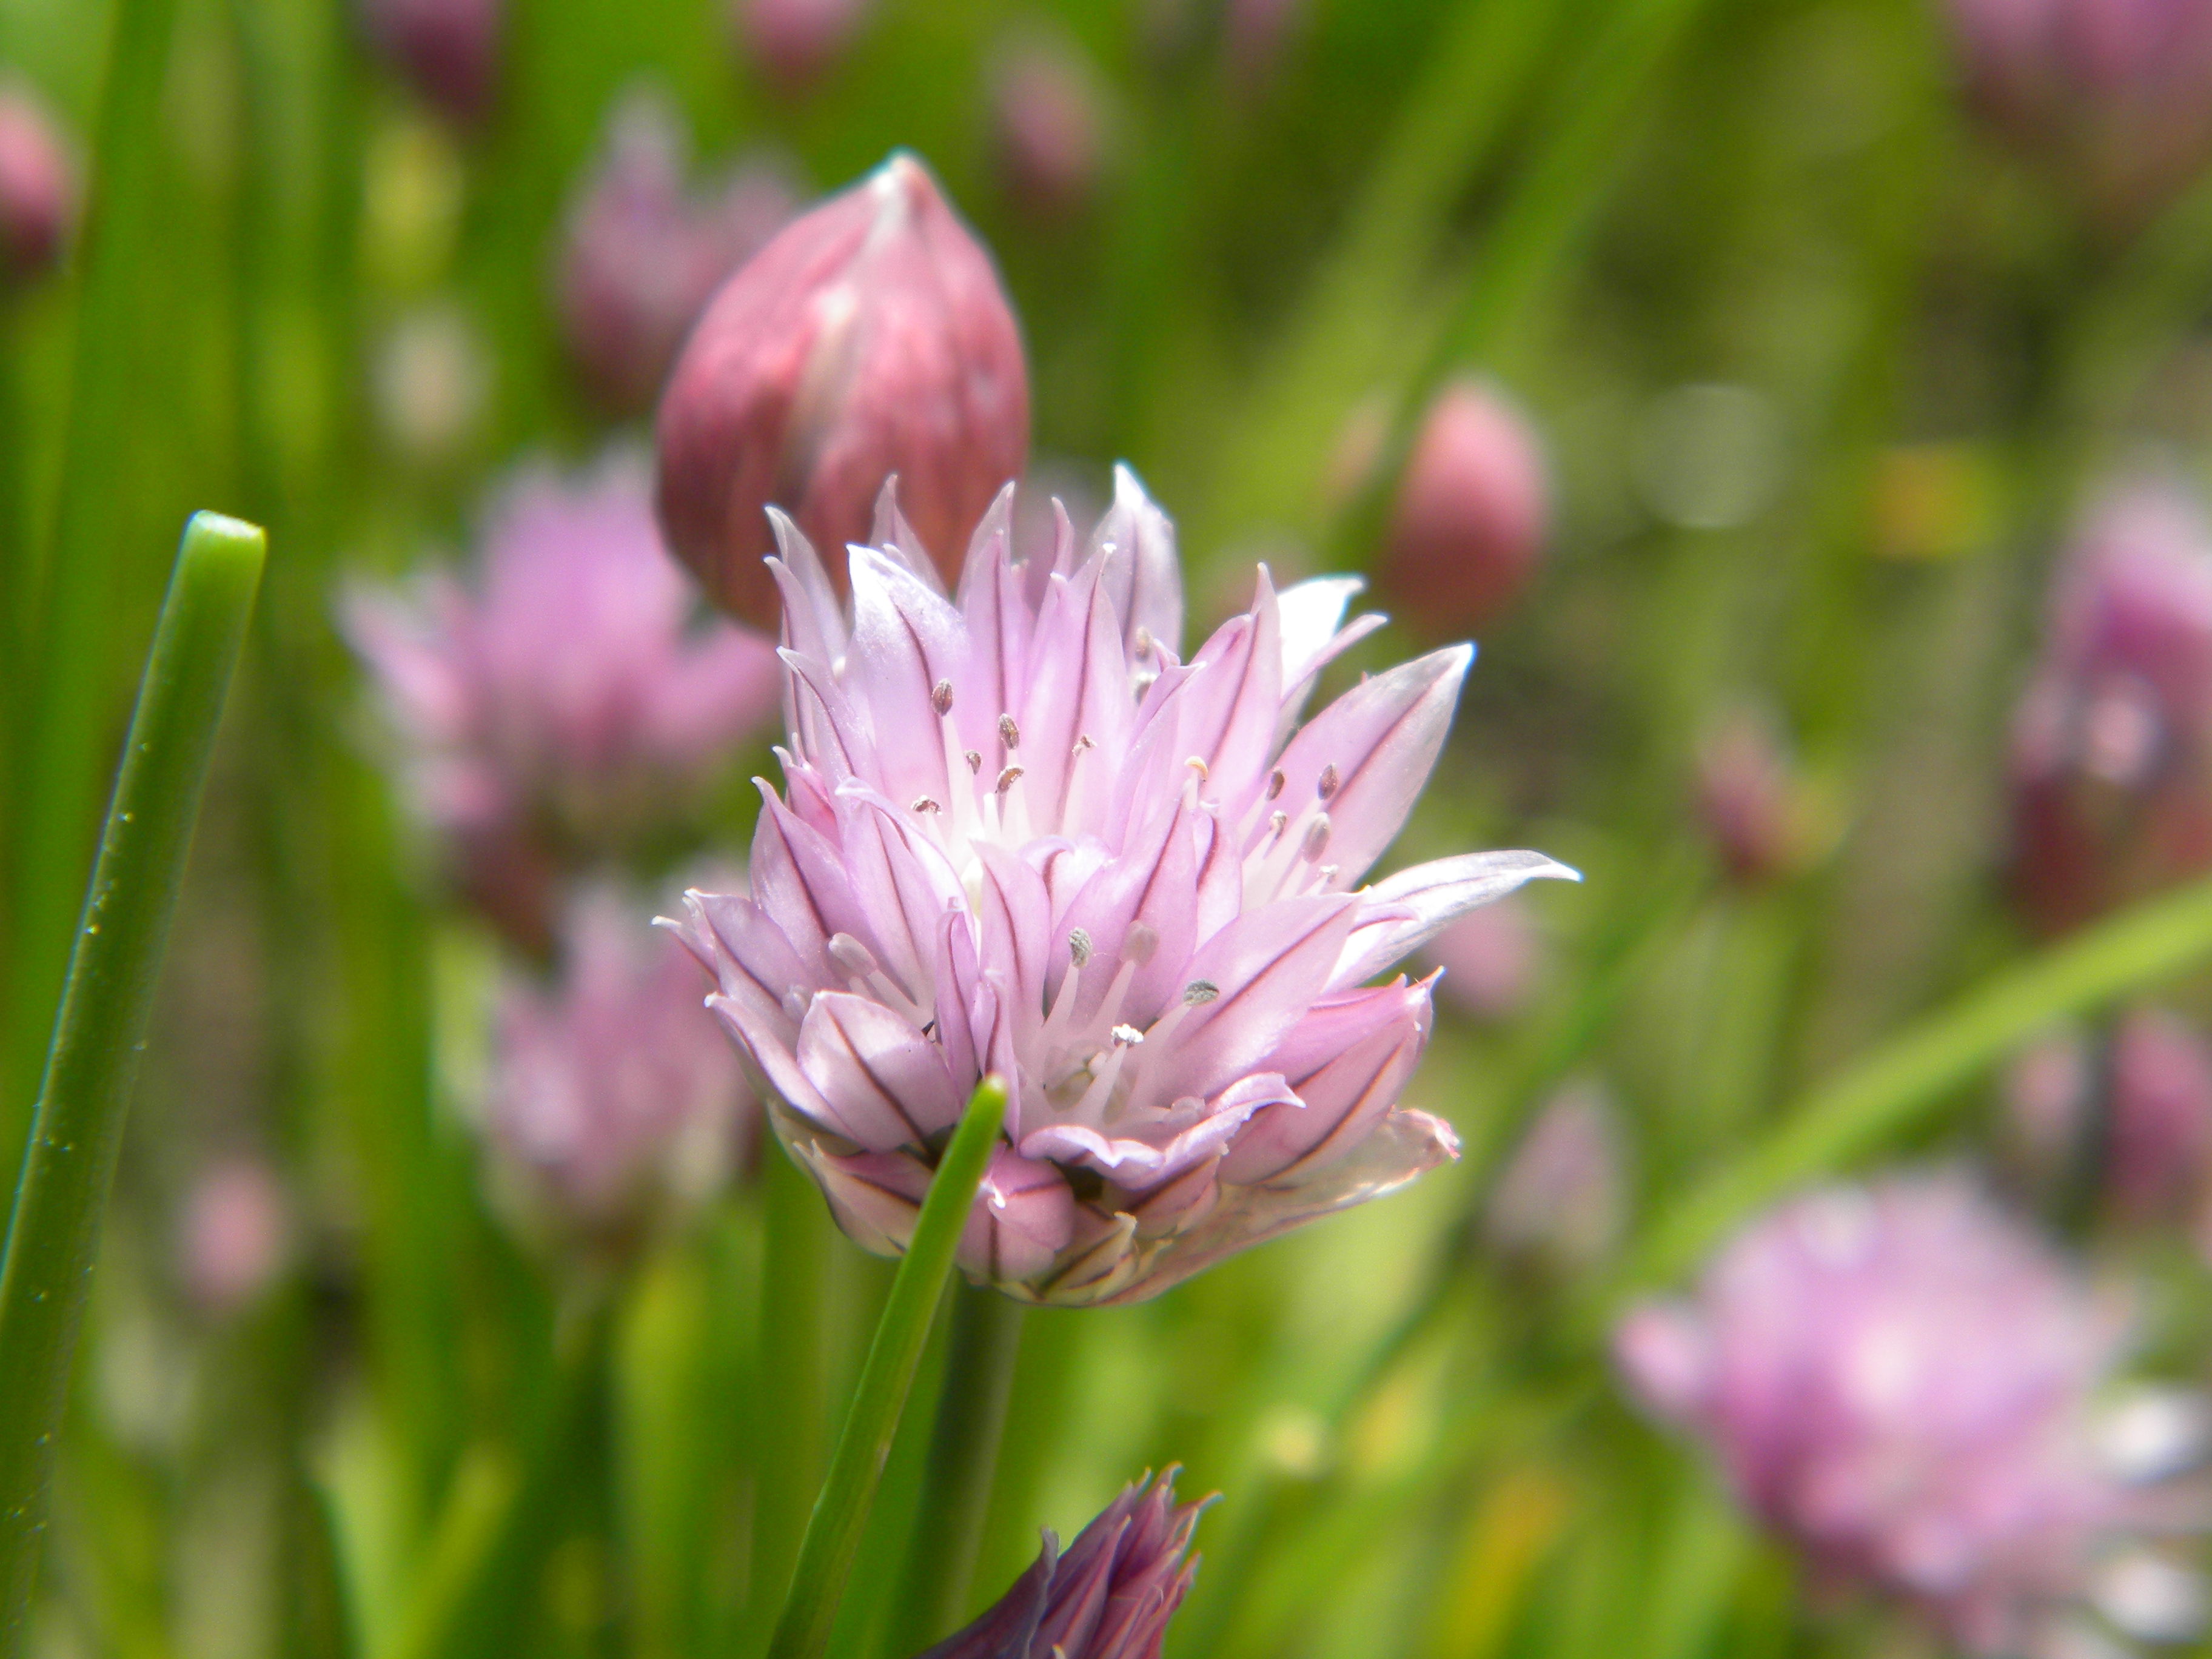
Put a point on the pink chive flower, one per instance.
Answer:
(1747, 796)
(2113, 95)
(447, 49)
(565, 703)
(1049, 119)
(2112, 746)
(1493, 959)
(870, 338)
(1905, 1382)
(613, 1101)
(1110, 1597)
(1560, 1201)
(796, 41)
(234, 1234)
(1472, 509)
(1019, 834)
(2158, 1147)
(38, 189)
(644, 253)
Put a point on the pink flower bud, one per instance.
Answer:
(1471, 515)
(234, 1234)
(1746, 797)
(644, 253)
(37, 193)
(1558, 1204)
(447, 49)
(1050, 124)
(795, 41)
(2158, 1146)
(1491, 959)
(1254, 36)
(2115, 98)
(871, 337)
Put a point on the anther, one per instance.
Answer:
(1009, 733)
(1079, 946)
(1082, 742)
(1316, 839)
(1007, 780)
(1329, 781)
(1127, 1036)
(1278, 821)
(1275, 781)
(974, 761)
(1200, 992)
(940, 697)
(923, 804)
(1140, 942)
(1142, 645)
(1199, 766)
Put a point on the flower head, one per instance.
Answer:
(1020, 835)
(234, 1235)
(38, 189)
(1471, 515)
(1110, 1597)
(565, 705)
(1903, 1382)
(2112, 749)
(447, 49)
(644, 253)
(612, 1100)
(870, 338)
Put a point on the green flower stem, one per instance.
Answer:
(963, 1458)
(1901, 1081)
(54, 1233)
(833, 1533)
(788, 1401)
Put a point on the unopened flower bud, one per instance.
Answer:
(447, 49)
(2158, 1147)
(234, 1234)
(38, 193)
(795, 41)
(1049, 121)
(1491, 959)
(1557, 1207)
(870, 338)
(1254, 36)
(1471, 515)
(644, 253)
(1746, 797)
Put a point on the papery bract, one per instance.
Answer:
(1108, 1597)
(1019, 834)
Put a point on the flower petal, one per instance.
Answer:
(885, 1082)
(1404, 911)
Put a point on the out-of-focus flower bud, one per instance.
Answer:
(1048, 117)
(1492, 958)
(432, 376)
(1911, 1389)
(2046, 1094)
(795, 41)
(566, 708)
(38, 188)
(1110, 1597)
(871, 337)
(2159, 1150)
(643, 253)
(614, 1104)
(2116, 98)
(2112, 746)
(1254, 36)
(1471, 515)
(447, 49)
(1557, 1207)
(1747, 797)
(234, 1234)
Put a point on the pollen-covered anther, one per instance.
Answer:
(1009, 733)
(1140, 646)
(1082, 742)
(1197, 765)
(940, 697)
(923, 804)
(974, 761)
(1139, 944)
(1007, 780)
(1127, 1035)
(1079, 946)
(1316, 840)
(1329, 782)
(1277, 823)
(1275, 781)
(1200, 992)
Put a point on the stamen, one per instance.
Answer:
(1275, 781)
(1199, 992)
(1091, 1109)
(1127, 1036)
(1007, 780)
(1078, 946)
(1082, 742)
(1329, 781)
(923, 804)
(1140, 942)
(1009, 733)
(1199, 766)
(1141, 647)
(940, 696)
(1316, 839)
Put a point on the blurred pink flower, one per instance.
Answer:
(795, 41)
(564, 704)
(1110, 1597)
(2112, 746)
(1049, 124)
(1902, 1381)
(1019, 834)
(447, 49)
(1558, 1202)
(643, 252)
(1492, 960)
(870, 338)
(1471, 516)
(1255, 36)
(1745, 796)
(38, 188)
(2115, 95)
(234, 1234)
(614, 1101)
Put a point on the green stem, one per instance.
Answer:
(788, 1400)
(963, 1457)
(833, 1533)
(54, 1233)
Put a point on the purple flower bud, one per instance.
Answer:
(38, 188)
(643, 253)
(1558, 1204)
(1492, 958)
(2113, 95)
(1747, 796)
(234, 1235)
(871, 337)
(1110, 1597)
(2112, 749)
(1019, 834)
(795, 41)
(447, 49)
(613, 1101)
(2158, 1153)
(1471, 516)
(1049, 123)
(1906, 1384)
(1254, 36)
(562, 704)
